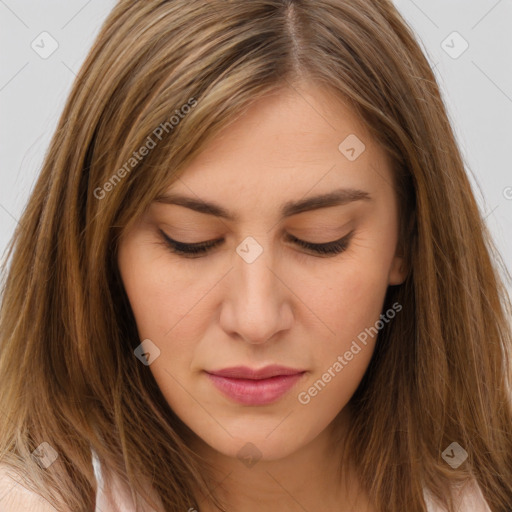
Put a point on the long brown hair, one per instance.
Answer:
(177, 72)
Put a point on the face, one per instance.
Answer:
(286, 283)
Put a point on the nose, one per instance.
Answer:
(258, 303)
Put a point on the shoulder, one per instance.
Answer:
(472, 499)
(468, 498)
(14, 497)
(115, 496)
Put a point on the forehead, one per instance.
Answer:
(286, 145)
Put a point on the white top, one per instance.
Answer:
(120, 500)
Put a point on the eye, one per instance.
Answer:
(197, 249)
(189, 250)
(330, 248)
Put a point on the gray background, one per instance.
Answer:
(477, 87)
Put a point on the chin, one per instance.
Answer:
(251, 441)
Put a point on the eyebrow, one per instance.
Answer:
(335, 198)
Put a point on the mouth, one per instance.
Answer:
(250, 386)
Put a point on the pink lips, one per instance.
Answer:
(255, 387)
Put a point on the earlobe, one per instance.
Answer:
(398, 271)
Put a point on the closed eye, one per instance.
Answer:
(197, 249)
(329, 248)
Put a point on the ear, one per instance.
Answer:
(400, 265)
(398, 271)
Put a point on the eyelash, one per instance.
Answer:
(195, 250)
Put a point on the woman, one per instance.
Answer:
(253, 276)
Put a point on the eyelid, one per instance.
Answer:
(325, 250)
(177, 243)
(193, 250)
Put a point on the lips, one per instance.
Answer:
(250, 386)
(243, 372)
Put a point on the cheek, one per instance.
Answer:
(168, 306)
(146, 293)
(352, 300)
(159, 296)
(349, 308)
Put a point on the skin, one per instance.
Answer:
(290, 306)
